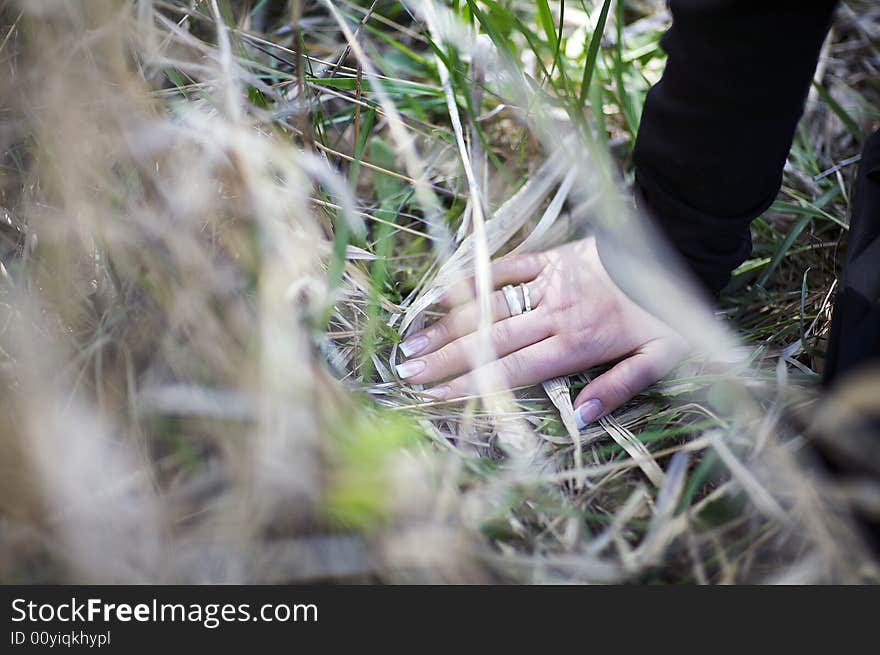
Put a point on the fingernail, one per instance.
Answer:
(408, 369)
(438, 393)
(413, 346)
(587, 413)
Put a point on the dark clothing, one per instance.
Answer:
(714, 137)
(855, 328)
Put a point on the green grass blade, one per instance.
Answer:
(593, 51)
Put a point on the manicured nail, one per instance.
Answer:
(438, 393)
(413, 345)
(587, 413)
(408, 369)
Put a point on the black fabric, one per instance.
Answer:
(717, 128)
(713, 139)
(855, 327)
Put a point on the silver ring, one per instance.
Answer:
(512, 298)
(527, 297)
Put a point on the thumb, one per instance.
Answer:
(621, 383)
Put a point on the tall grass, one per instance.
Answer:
(221, 217)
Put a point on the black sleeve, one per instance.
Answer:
(717, 128)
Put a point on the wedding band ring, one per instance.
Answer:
(512, 298)
(527, 297)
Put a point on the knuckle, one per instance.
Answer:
(568, 327)
(501, 334)
(571, 340)
(525, 263)
(560, 325)
(646, 370)
(512, 365)
(536, 259)
(440, 331)
(621, 389)
(439, 359)
(632, 377)
(649, 372)
(435, 364)
(461, 386)
(457, 323)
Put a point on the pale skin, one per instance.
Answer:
(580, 319)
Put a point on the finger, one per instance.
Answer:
(507, 336)
(531, 365)
(460, 322)
(516, 268)
(507, 270)
(622, 382)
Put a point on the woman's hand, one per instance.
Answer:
(579, 319)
